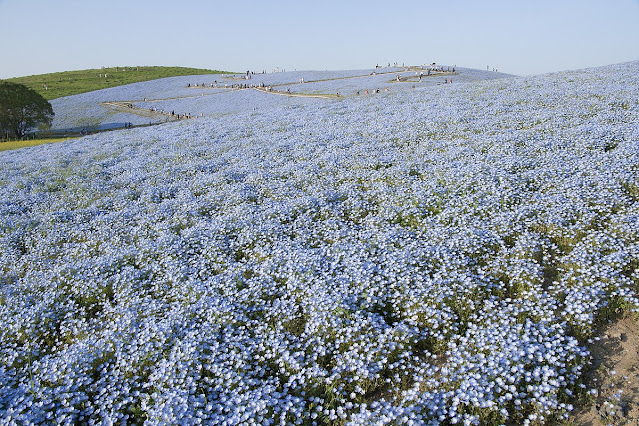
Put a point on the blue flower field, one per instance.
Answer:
(432, 254)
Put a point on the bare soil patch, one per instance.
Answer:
(615, 377)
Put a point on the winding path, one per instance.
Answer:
(129, 106)
(126, 106)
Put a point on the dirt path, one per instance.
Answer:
(415, 78)
(336, 78)
(129, 108)
(615, 377)
(340, 78)
(296, 95)
(330, 96)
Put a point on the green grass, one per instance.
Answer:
(69, 83)
(5, 146)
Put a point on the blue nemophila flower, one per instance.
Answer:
(433, 255)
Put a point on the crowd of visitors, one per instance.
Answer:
(172, 114)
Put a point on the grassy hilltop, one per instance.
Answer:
(69, 83)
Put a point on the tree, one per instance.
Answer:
(22, 109)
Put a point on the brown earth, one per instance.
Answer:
(614, 376)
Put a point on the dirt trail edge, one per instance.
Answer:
(614, 376)
(144, 112)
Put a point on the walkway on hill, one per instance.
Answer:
(296, 95)
(128, 107)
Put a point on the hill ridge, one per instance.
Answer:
(66, 83)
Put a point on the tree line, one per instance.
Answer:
(21, 110)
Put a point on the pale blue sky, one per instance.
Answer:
(516, 36)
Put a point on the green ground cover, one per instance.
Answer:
(7, 145)
(69, 83)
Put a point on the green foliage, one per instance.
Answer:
(59, 84)
(631, 189)
(22, 109)
(5, 146)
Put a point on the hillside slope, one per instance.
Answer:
(68, 83)
(437, 255)
(215, 95)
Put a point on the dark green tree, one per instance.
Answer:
(22, 109)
